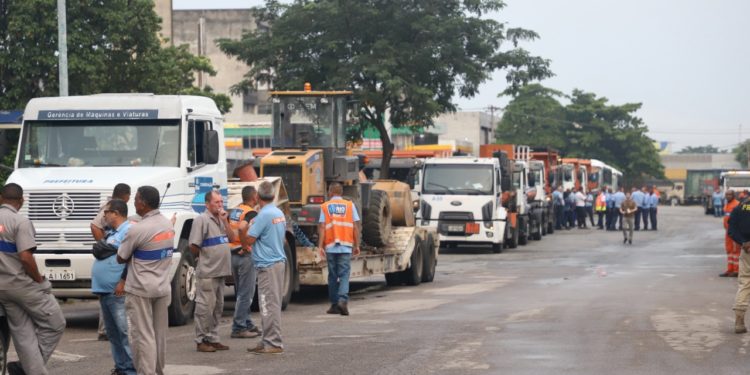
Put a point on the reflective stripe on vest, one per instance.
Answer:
(339, 229)
(8, 247)
(158, 254)
(213, 241)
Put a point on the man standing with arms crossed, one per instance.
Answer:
(210, 235)
(35, 319)
(243, 269)
(148, 248)
(338, 233)
(98, 229)
(266, 236)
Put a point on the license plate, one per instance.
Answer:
(456, 228)
(60, 274)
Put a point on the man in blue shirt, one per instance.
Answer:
(559, 203)
(638, 197)
(107, 282)
(338, 240)
(610, 209)
(618, 198)
(653, 203)
(718, 201)
(266, 236)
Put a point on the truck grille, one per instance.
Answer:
(62, 206)
(454, 222)
(292, 177)
(75, 237)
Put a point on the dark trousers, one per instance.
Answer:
(590, 213)
(601, 215)
(559, 217)
(652, 214)
(644, 213)
(638, 219)
(581, 216)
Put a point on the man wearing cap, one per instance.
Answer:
(35, 319)
(147, 249)
(210, 235)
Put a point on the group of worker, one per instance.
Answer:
(132, 280)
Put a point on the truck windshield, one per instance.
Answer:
(737, 182)
(316, 121)
(100, 143)
(458, 179)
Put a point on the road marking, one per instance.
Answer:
(525, 316)
(193, 370)
(67, 357)
(397, 307)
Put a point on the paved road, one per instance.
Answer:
(578, 302)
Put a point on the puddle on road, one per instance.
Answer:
(460, 357)
(525, 316)
(691, 332)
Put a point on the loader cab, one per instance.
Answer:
(310, 119)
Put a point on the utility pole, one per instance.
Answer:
(62, 42)
(492, 109)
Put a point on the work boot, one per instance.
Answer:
(739, 322)
(334, 309)
(205, 347)
(246, 334)
(343, 308)
(14, 368)
(630, 242)
(260, 349)
(734, 274)
(725, 274)
(218, 346)
(625, 240)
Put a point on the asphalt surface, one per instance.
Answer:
(577, 302)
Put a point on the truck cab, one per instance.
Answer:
(461, 197)
(74, 150)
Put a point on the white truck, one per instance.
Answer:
(738, 181)
(461, 197)
(74, 150)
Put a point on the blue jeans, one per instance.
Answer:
(116, 322)
(718, 210)
(339, 266)
(244, 274)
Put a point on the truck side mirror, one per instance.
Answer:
(532, 180)
(211, 146)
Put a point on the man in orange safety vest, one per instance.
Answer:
(733, 249)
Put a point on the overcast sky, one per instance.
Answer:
(687, 61)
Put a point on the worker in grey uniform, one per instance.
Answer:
(35, 319)
(99, 228)
(147, 249)
(210, 236)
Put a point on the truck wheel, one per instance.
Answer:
(497, 248)
(674, 201)
(376, 226)
(289, 276)
(430, 259)
(523, 238)
(513, 243)
(550, 227)
(413, 274)
(183, 288)
(394, 279)
(543, 224)
(539, 232)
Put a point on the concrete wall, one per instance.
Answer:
(473, 127)
(164, 10)
(224, 23)
(700, 161)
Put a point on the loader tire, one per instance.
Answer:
(413, 274)
(430, 259)
(376, 226)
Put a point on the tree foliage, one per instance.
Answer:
(709, 149)
(740, 153)
(407, 59)
(113, 46)
(587, 127)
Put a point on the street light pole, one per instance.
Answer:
(62, 41)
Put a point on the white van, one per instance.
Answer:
(462, 198)
(74, 150)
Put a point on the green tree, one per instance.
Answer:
(6, 166)
(587, 127)
(408, 59)
(113, 46)
(709, 149)
(740, 153)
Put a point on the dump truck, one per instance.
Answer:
(309, 152)
(542, 166)
(524, 224)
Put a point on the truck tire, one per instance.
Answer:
(538, 235)
(376, 226)
(497, 248)
(430, 259)
(289, 277)
(413, 274)
(523, 236)
(674, 201)
(550, 227)
(544, 225)
(513, 243)
(183, 288)
(394, 279)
